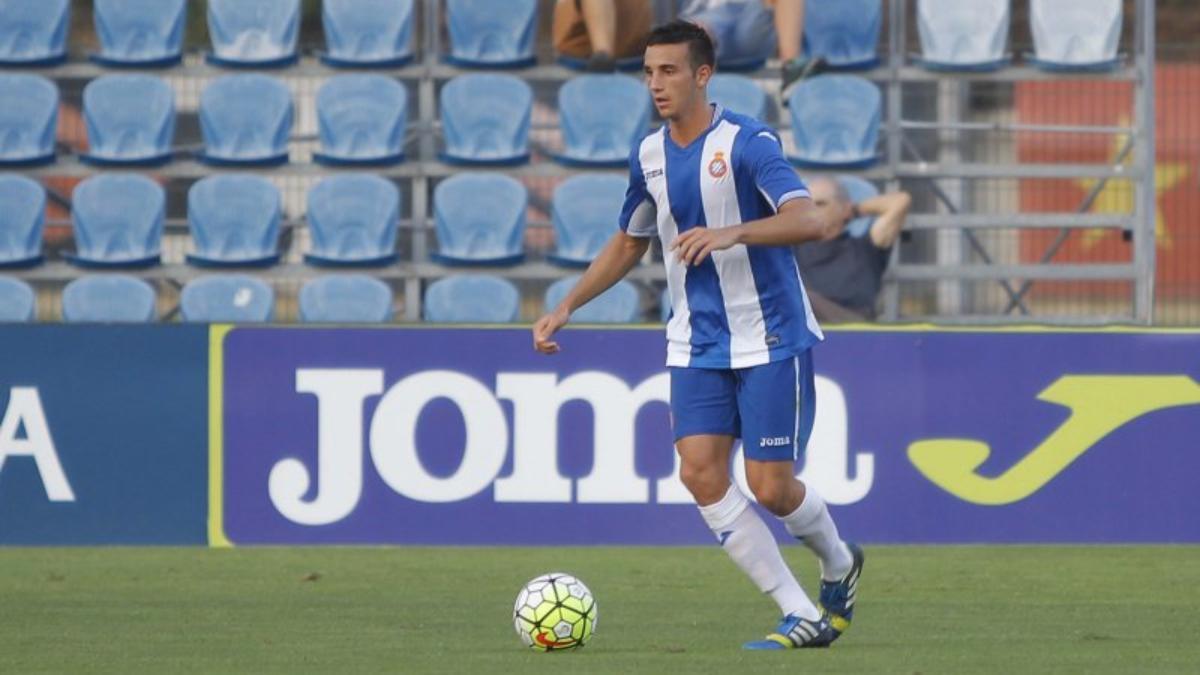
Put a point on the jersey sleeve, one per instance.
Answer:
(639, 215)
(773, 175)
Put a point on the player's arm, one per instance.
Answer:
(795, 223)
(618, 256)
(638, 223)
(890, 211)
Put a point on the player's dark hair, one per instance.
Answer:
(699, 42)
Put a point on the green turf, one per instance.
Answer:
(680, 610)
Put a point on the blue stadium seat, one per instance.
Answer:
(34, 32)
(1076, 35)
(480, 219)
(490, 34)
(844, 32)
(485, 119)
(350, 298)
(142, 33)
(602, 116)
(28, 120)
(118, 221)
(253, 33)
(739, 94)
(367, 33)
(584, 211)
(835, 122)
(352, 219)
(472, 298)
(246, 119)
(130, 120)
(18, 303)
(108, 298)
(362, 119)
(619, 304)
(234, 221)
(22, 219)
(227, 298)
(969, 35)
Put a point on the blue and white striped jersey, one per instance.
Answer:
(744, 306)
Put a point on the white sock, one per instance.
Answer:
(812, 524)
(746, 539)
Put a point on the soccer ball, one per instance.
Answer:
(553, 612)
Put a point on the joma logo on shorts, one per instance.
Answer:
(777, 441)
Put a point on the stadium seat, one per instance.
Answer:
(584, 211)
(480, 219)
(350, 298)
(963, 34)
(34, 32)
(619, 304)
(367, 33)
(108, 298)
(130, 120)
(352, 219)
(835, 122)
(1076, 35)
(28, 120)
(602, 116)
(361, 119)
(738, 94)
(18, 303)
(253, 33)
(246, 119)
(142, 33)
(858, 190)
(227, 298)
(234, 221)
(118, 221)
(22, 219)
(490, 34)
(844, 32)
(472, 298)
(485, 119)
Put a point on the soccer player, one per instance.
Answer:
(715, 188)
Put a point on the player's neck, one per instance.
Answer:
(691, 123)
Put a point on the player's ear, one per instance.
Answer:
(703, 74)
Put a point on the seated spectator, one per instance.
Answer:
(753, 30)
(842, 273)
(601, 31)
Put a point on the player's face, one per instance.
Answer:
(674, 84)
(828, 206)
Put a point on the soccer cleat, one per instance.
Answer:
(796, 633)
(837, 597)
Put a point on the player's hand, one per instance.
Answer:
(545, 328)
(693, 246)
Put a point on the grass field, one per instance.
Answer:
(678, 610)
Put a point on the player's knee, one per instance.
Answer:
(776, 496)
(707, 484)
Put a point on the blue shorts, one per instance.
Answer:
(744, 31)
(770, 407)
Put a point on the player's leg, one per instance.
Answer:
(778, 403)
(705, 420)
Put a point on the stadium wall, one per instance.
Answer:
(295, 435)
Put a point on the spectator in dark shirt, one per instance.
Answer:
(843, 273)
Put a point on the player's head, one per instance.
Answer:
(831, 201)
(679, 59)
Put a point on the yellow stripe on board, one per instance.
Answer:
(216, 434)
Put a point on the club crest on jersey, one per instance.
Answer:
(717, 168)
